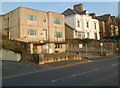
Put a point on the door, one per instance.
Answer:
(50, 49)
(44, 34)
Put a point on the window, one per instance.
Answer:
(88, 34)
(75, 34)
(31, 18)
(58, 34)
(95, 35)
(44, 19)
(87, 24)
(44, 34)
(79, 34)
(78, 23)
(57, 21)
(31, 32)
(58, 46)
(83, 34)
(95, 25)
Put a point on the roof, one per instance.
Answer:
(73, 11)
(31, 9)
(69, 26)
(104, 17)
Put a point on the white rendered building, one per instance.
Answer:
(84, 24)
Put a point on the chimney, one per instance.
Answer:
(79, 7)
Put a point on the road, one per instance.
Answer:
(102, 72)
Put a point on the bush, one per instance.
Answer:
(86, 41)
(6, 44)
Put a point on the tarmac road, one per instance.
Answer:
(102, 72)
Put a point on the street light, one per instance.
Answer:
(86, 51)
(101, 45)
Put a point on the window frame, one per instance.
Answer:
(58, 35)
(58, 46)
(44, 20)
(32, 18)
(29, 32)
(87, 24)
(78, 23)
(95, 25)
(57, 21)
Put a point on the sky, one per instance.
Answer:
(99, 8)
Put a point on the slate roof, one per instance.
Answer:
(104, 17)
(69, 26)
(73, 11)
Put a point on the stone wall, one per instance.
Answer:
(58, 57)
(94, 46)
(19, 47)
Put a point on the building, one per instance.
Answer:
(69, 32)
(84, 24)
(44, 30)
(108, 26)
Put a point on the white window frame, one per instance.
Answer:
(30, 32)
(95, 25)
(58, 46)
(56, 36)
(32, 19)
(87, 24)
(55, 21)
(78, 23)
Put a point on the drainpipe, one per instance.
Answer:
(8, 26)
(48, 31)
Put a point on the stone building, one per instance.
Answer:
(84, 24)
(44, 30)
(108, 26)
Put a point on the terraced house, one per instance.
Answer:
(85, 26)
(44, 30)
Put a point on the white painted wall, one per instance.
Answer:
(10, 55)
(72, 21)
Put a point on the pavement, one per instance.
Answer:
(101, 72)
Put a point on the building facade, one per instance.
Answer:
(83, 23)
(108, 26)
(45, 30)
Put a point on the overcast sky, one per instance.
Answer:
(99, 8)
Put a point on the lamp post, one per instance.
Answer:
(112, 47)
(86, 42)
(101, 50)
(86, 51)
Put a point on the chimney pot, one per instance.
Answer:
(79, 7)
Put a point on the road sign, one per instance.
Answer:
(80, 45)
(45, 46)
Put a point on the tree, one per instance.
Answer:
(86, 42)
